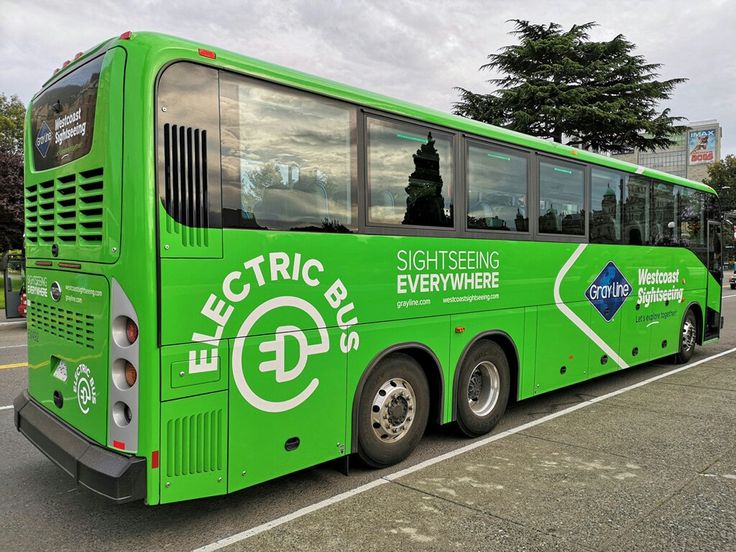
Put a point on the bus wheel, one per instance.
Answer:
(393, 411)
(482, 388)
(687, 338)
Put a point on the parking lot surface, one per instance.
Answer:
(644, 459)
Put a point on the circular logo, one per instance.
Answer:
(84, 387)
(56, 291)
(278, 365)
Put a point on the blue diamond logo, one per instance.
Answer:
(43, 139)
(608, 291)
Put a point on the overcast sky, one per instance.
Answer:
(413, 50)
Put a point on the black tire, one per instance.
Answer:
(477, 414)
(688, 333)
(733, 286)
(390, 448)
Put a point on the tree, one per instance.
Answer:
(556, 84)
(722, 178)
(12, 114)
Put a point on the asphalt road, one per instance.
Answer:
(42, 509)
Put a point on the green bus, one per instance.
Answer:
(236, 270)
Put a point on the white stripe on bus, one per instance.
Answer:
(253, 531)
(574, 318)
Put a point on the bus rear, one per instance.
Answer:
(81, 405)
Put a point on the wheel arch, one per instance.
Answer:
(431, 367)
(509, 348)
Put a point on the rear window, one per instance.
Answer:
(62, 117)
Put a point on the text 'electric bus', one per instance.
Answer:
(236, 271)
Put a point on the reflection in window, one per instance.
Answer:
(663, 228)
(409, 175)
(561, 208)
(287, 159)
(497, 190)
(690, 217)
(605, 213)
(636, 209)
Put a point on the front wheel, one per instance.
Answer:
(393, 411)
(688, 334)
(482, 388)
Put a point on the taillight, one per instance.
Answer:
(131, 374)
(131, 331)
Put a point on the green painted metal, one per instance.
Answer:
(273, 331)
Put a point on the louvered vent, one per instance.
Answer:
(68, 209)
(194, 444)
(71, 326)
(186, 183)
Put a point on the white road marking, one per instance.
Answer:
(6, 407)
(253, 531)
(12, 346)
(727, 296)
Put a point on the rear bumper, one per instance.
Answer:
(115, 476)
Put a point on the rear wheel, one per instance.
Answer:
(482, 388)
(393, 411)
(688, 334)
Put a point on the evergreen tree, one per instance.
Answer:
(12, 114)
(556, 83)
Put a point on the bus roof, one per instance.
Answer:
(170, 47)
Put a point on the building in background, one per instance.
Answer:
(694, 149)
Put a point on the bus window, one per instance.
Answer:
(690, 217)
(636, 209)
(605, 202)
(663, 227)
(497, 190)
(561, 193)
(409, 175)
(287, 159)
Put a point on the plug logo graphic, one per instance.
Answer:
(276, 349)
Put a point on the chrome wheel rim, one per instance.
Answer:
(688, 335)
(393, 410)
(483, 388)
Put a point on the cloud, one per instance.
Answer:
(413, 50)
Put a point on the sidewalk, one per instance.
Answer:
(650, 469)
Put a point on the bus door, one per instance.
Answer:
(714, 290)
(14, 278)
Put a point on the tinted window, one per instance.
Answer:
(605, 203)
(287, 158)
(497, 190)
(409, 175)
(636, 210)
(690, 217)
(561, 192)
(63, 116)
(662, 226)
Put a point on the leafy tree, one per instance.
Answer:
(12, 114)
(556, 83)
(722, 178)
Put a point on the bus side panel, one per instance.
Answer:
(508, 321)
(375, 339)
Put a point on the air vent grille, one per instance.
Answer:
(69, 325)
(185, 199)
(68, 209)
(194, 444)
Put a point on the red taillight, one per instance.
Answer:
(78, 55)
(131, 331)
(207, 53)
(126, 35)
(118, 445)
(131, 374)
(67, 62)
